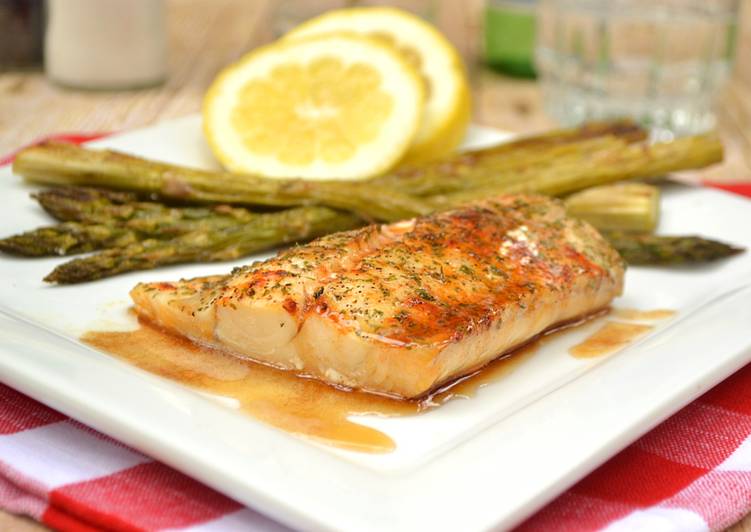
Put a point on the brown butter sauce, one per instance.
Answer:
(298, 405)
(613, 336)
(643, 315)
(279, 398)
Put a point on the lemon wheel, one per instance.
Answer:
(324, 107)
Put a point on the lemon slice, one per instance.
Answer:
(327, 107)
(447, 108)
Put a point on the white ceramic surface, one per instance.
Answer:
(469, 465)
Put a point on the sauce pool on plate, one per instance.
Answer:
(296, 404)
(305, 406)
(611, 337)
(633, 314)
(616, 335)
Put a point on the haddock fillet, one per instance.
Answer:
(401, 309)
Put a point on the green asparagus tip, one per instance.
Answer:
(653, 250)
(38, 243)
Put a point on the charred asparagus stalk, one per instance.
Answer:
(99, 206)
(68, 238)
(64, 164)
(97, 219)
(625, 162)
(620, 207)
(654, 250)
(262, 232)
(88, 205)
(147, 218)
(475, 168)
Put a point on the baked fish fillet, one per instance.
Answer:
(401, 309)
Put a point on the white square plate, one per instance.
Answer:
(469, 465)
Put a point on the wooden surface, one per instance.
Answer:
(205, 35)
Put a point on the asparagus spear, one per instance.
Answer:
(97, 219)
(92, 206)
(75, 204)
(468, 172)
(620, 207)
(653, 250)
(632, 161)
(473, 168)
(54, 163)
(68, 238)
(262, 232)
(95, 206)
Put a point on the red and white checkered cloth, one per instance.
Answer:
(73, 478)
(693, 472)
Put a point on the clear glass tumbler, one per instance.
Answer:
(661, 62)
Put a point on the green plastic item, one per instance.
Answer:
(510, 36)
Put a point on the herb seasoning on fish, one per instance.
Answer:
(442, 317)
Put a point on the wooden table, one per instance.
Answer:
(205, 35)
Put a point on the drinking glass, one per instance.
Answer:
(661, 62)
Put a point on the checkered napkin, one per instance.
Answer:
(693, 472)
(71, 477)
